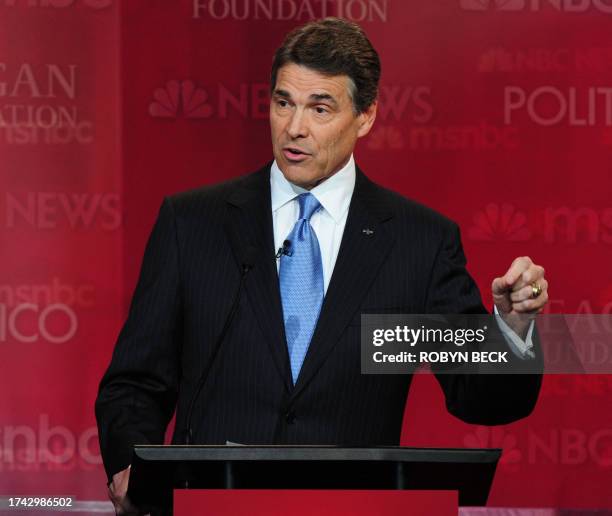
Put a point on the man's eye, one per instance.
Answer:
(321, 110)
(282, 103)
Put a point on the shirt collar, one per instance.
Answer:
(334, 193)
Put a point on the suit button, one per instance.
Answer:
(290, 417)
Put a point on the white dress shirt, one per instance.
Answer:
(334, 194)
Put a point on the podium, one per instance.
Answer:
(158, 470)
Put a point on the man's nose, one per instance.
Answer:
(297, 127)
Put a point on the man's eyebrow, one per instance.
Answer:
(282, 93)
(324, 96)
(316, 97)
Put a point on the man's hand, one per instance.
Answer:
(520, 294)
(117, 492)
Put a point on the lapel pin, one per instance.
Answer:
(367, 231)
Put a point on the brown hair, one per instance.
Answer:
(333, 46)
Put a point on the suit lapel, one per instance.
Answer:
(249, 227)
(365, 245)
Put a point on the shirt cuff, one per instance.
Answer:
(521, 348)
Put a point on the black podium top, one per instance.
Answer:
(157, 470)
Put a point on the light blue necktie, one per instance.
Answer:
(301, 284)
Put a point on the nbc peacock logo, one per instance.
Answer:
(499, 222)
(180, 99)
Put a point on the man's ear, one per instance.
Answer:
(366, 119)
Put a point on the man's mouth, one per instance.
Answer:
(295, 154)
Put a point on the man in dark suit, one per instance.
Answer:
(284, 367)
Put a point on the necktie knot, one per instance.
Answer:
(308, 205)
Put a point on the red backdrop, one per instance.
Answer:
(496, 113)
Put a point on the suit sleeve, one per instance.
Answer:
(138, 392)
(485, 399)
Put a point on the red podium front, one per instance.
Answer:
(299, 502)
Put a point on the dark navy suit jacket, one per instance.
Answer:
(410, 262)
